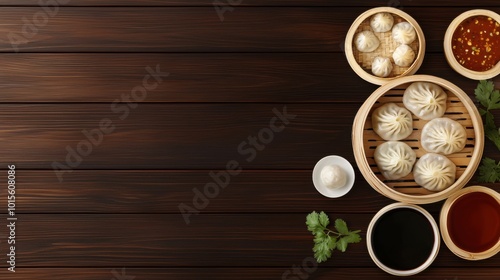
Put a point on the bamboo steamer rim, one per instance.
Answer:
(443, 218)
(360, 155)
(352, 32)
(448, 51)
(435, 247)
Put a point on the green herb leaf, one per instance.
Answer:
(342, 244)
(483, 93)
(489, 171)
(333, 243)
(312, 222)
(353, 237)
(341, 226)
(326, 240)
(323, 219)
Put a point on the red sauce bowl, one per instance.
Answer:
(470, 223)
(472, 44)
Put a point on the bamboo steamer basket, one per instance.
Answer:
(361, 62)
(364, 140)
(443, 224)
(450, 57)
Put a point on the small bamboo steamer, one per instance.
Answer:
(443, 224)
(361, 62)
(364, 141)
(448, 51)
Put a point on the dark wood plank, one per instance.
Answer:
(326, 3)
(256, 77)
(264, 240)
(175, 136)
(181, 29)
(247, 273)
(162, 191)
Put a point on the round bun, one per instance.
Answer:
(333, 176)
(403, 56)
(426, 100)
(392, 122)
(434, 172)
(381, 66)
(366, 41)
(404, 33)
(382, 22)
(394, 159)
(443, 135)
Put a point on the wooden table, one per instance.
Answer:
(141, 104)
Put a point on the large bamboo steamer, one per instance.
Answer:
(361, 62)
(364, 140)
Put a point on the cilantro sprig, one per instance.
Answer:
(489, 98)
(326, 240)
(489, 171)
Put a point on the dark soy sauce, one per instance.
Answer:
(402, 239)
(474, 222)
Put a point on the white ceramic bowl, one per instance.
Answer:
(435, 247)
(450, 57)
(344, 165)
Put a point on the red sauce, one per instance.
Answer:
(474, 222)
(476, 43)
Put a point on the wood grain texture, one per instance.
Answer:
(242, 240)
(287, 3)
(247, 273)
(175, 136)
(119, 207)
(162, 191)
(255, 77)
(273, 29)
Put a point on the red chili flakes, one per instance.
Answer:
(476, 43)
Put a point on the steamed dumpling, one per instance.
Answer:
(434, 172)
(366, 41)
(403, 56)
(333, 176)
(392, 122)
(443, 135)
(381, 66)
(394, 159)
(426, 100)
(404, 33)
(382, 22)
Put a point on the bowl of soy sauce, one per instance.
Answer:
(470, 223)
(403, 239)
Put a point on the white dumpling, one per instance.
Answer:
(366, 41)
(392, 122)
(434, 172)
(333, 176)
(426, 100)
(381, 66)
(403, 56)
(404, 33)
(444, 136)
(394, 159)
(382, 22)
